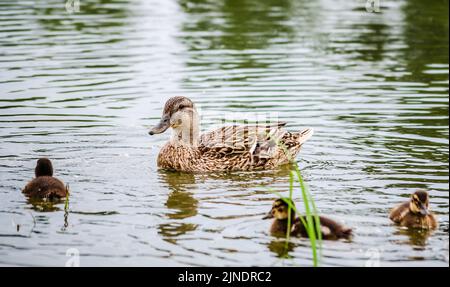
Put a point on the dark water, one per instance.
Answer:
(84, 88)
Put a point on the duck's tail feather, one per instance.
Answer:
(304, 135)
(346, 232)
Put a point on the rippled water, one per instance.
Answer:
(84, 88)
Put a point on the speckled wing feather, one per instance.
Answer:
(260, 141)
(398, 213)
(330, 229)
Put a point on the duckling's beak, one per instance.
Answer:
(162, 126)
(423, 209)
(268, 215)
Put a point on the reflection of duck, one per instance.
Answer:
(176, 181)
(45, 186)
(179, 200)
(180, 203)
(183, 203)
(281, 248)
(230, 148)
(280, 209)
(170, 231)
(417, 237)
(414, 213)
(43, 205)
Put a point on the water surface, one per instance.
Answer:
(84, 88)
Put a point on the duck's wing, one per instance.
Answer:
(258, 140)
(298, 229)
(399, 212)
(432, 221)
(331, 228)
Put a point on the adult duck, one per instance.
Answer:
(230, 148)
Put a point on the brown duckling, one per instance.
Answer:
(415, 213)
(45, 185)
(330, 229)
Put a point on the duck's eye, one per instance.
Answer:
(181, 107)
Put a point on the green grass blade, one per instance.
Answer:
(312, 222)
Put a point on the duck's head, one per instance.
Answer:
(44, 167)
(280, 209)
(419, 202)
(179, 114)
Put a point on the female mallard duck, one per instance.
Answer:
(230, 148)
(280, 209)
(45, 185)
(414, 213)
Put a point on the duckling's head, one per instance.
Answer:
(44, 167)
(280, 209)
(180, 114)
(419, 202)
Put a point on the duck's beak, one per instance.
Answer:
(423, 209)
(268, 215)
(162, 126)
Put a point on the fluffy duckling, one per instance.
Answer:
(280, 209)
(415, 213)
(45, 185)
